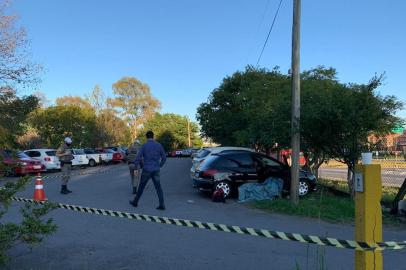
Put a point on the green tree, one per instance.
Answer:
(75, 101)
(13, 114)
(31, 229)
(17, 70)
(56, 122)
(252, 108)
(171, 130)
(112, 130)
(357, 112)
(134, 101)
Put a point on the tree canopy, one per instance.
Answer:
(171, 130)
(134, 101)
(252, 108)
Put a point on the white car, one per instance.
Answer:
(98, 157)
(46, 156)
(80, 158)
(206, 152)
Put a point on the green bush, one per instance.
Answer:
(33, 227)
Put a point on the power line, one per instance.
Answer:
(269, 33)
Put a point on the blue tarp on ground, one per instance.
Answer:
(269, 189)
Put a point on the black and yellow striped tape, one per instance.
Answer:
(60, 175)
(311, 239)
(72, 174)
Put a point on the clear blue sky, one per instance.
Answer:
(182, 49)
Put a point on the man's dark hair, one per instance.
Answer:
(150, 134)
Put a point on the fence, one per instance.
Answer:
(393, 172)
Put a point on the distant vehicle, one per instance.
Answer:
(96, 157)
(80, 158)
(20, 164)
(232, 169)
(120, 150)
(46, 156)
(186, 152)
(117, 156)
(287, 153)
(207, 152)
(107, 156)
(194, 152)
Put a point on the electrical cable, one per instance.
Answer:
(269, 32)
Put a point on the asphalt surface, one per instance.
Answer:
(390, 177)
(85, 241)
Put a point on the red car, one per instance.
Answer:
(21, 164)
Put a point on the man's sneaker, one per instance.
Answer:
(133, 203)
(160, 208)
(65, 191)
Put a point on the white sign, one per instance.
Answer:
(359, 182)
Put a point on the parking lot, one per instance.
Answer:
(85, 241)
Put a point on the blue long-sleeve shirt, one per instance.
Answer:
(153, 156)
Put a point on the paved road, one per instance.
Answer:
(390, 177)
(85, 241)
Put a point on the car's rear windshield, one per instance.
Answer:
(203, 153)
(79, 152)
(208, 163)
(50, 153)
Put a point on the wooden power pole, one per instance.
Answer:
(188, 133)
(295, 142)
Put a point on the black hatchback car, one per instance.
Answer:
(230, 170)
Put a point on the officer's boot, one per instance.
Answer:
(67, 190)
(64, 189)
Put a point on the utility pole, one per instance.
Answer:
(188, 132)
(295, 142)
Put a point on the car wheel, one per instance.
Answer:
(225, 186)
(92, 163)
(304, 188)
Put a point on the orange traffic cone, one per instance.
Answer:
(39, 192)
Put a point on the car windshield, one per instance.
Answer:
(51, 153)
(79, 152)
(203, 153)
(22, 155)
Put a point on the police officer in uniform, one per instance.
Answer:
(65, 157)
(135, 170)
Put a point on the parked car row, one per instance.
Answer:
(229, 167)
(188, 152)
(41, 160)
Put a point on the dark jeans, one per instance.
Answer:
(145, 176)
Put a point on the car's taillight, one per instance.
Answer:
(47, 159)
(208, 173)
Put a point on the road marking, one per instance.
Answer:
(301, 238)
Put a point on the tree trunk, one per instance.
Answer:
(350, 180)
(315, 165)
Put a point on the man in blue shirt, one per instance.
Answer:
(153, 156)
